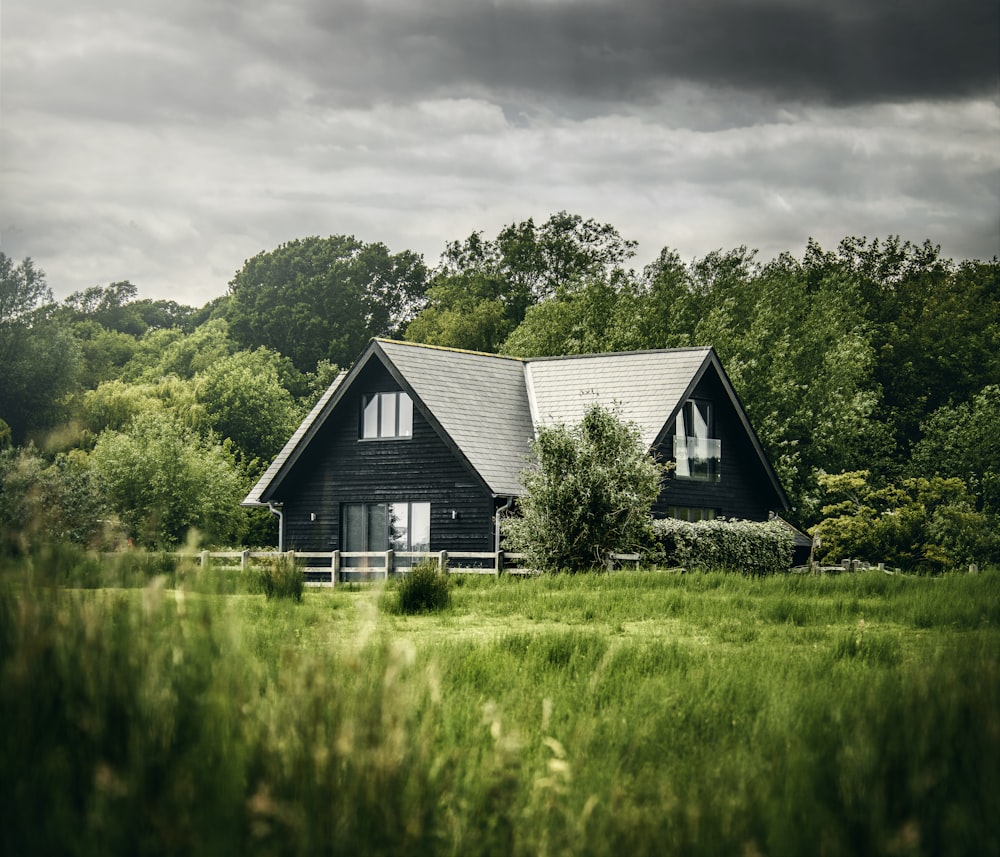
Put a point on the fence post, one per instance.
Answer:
(244, 560)
(443, 562)
(203, 559)
(334, 568)
(498, 563)
(390, 556)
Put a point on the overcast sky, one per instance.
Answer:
(166, 142)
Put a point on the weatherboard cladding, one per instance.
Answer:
(338, 468)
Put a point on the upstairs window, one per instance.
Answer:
(386, 415)
(697, 453)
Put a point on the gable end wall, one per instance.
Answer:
(744, 491)
(339, 468)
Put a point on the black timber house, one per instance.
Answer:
(420, 448)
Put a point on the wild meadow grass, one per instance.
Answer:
(177, 711)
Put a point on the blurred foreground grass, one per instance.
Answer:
(175, 711)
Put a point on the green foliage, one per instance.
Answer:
(280, 578)
(113, 307)
(245, 401)
(163, 479)
(934, 326)
(589, 496)
(103, 353)
(483, 288)
(748, 547)
(323, 298)
(424, 589)
(579, 319)
(922, 524)
(39, 358)
(964, 441)
(172, 352)
(56, 500)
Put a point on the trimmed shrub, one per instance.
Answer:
(424, 589)
(280, 578)
(748, 547)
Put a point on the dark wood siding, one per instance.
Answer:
(744, 489)
(339, 468)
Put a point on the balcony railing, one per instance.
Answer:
(698, 458)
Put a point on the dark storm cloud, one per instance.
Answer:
(166, 142)
(848, 52)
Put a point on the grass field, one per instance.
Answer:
(634, 713)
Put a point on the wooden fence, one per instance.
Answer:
(328, 568)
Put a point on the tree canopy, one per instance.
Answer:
(319, 299)
(877, 355)
(38, 355)
(483, 288)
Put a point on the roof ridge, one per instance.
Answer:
(552, 357)
(619, 353)
(429, 347)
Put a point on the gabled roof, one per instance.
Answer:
(487, 407)
(479, 401)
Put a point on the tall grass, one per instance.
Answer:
(643, 713)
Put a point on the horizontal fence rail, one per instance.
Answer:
(328, 568)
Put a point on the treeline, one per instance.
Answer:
(877, 358)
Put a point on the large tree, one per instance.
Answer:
(245, 401)
(964, 441)
(934, 326)
(38, 355)
(319, 299)
(483, 288)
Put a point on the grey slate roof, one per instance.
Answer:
(479, 400)
(487, 406)
(644, 387)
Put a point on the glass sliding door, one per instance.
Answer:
(378, 527)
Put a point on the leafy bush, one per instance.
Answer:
(589, 496)
(749, 547)
(424, 589)
(280, 578)
(919, 524)
(44, 500)
(163, 479)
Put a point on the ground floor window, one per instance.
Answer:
(689, 513)
(398, 526)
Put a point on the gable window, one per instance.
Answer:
(371, 527)
(386, 415)
(697, 453)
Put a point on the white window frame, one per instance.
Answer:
(386, 416)
(697, 455)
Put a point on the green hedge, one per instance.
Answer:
(748, 547)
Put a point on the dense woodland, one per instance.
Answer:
(870, 370)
